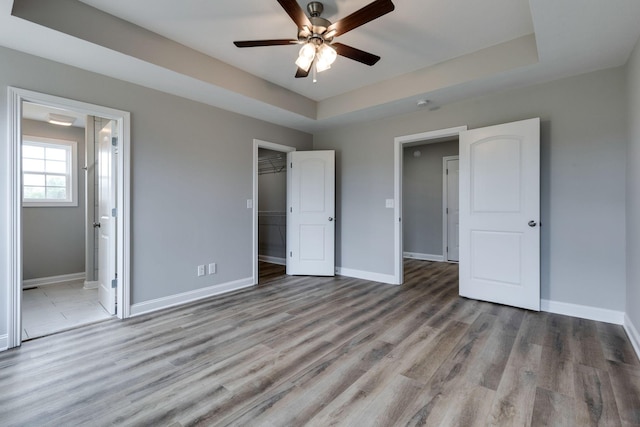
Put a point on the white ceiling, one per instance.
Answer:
(415, 35)
(430, 49)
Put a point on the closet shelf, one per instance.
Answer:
(273, 164)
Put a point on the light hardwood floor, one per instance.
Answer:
(329, 351)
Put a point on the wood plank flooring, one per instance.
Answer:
(329, 351)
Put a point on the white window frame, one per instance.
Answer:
(72, 172)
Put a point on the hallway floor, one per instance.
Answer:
(55, 308)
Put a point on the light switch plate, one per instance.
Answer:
(212, 268)
(201, 270)
(388, 203)
(249, 204)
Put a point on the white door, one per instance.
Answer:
(311, 213)
(452, 211)
(500, 214)
(107, 233)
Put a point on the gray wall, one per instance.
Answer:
(272, 206)
(633, 191)
(46, 230)
(583, 144)
(422, 197)
(191, 174)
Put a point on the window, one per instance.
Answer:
(49, 172)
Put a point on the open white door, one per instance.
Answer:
(311, 213)
(499, 214)
(106, 209)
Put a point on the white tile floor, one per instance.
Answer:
(54, 308)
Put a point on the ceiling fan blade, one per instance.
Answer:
(355, 54)
(302, 73)
(360, 17)
(256, 43)
(296, 13)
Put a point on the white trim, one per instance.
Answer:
(257, 144)
(272, 259)
(424, 257)
(186, 297)
(445, 206)
(14, 225)
(53, 280)
(399, 142)
(583, 311)
(632, 333)
(4, 342)
(91, 284)
(366, 275)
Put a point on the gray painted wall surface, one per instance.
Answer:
(53, 238)
(422, 197)
(191, 174)
(583, 144)
(633, 190)
(272, 206)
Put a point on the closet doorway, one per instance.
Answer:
(270, 210)
(430, 200)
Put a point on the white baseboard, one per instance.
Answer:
(272, 259)
(53, 280)
(424, 257)
(91, 284)
(183, 298)
(583, 311)
(4, 342)
(632, 333)
(366, 275)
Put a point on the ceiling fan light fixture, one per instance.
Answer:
(306, 56)
(326, 56)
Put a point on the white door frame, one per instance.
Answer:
(14, 226)
(257, 144)
(399, 143)
(445, 206)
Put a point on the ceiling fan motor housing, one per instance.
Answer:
(319, 26)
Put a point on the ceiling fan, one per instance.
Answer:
(316, 35)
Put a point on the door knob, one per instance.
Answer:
(96, 225)
(330, 219)
(532, 224)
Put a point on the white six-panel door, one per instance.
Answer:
(311, 213)
(500, 214)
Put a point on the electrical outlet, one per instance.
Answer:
(201, 270)
(212, 268)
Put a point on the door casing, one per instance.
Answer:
(16, 96)
(399, 143)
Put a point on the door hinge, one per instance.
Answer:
(447, 211)
(114, 212)
(447, 249)
(114, 283)
(447, 171)
(291, 165)
(291, 209)
(114, 141)
(290, 254)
